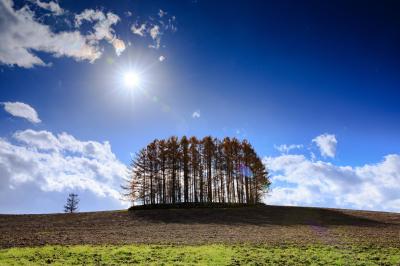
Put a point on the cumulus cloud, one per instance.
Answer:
(55, 163)
(287, 148)
(196, 114)
(300, 181)
(50, 6)
(22, 110)
(102, 27)
(22, 35)
(326, 144)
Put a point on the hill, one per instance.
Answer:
(275, 225)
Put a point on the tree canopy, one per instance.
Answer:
(197, 171)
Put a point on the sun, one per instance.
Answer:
(131, 79)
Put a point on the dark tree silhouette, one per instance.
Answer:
(72, 203)
(192, 170)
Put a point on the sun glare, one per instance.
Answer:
(131, 79)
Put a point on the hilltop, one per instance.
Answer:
(275, 225)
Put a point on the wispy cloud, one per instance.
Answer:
(287, 148)
(22, 110)
(161, 13)
(139, 29)
(155, 28)
(51, 6)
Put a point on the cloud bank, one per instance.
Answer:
(57, 163)
(298, 180)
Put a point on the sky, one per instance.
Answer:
(313, 85)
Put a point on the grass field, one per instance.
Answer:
(200, 255)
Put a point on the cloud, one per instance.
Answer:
(196, 114)
(119, 46)
(287, 148)
(102, 27)
(301, 181)
(161, 58)
(22, 110)
(41, 140)
(161, 13)
(139, 29)
(326, 144)
(50, 6)
(155, 34)
(155, 28)
(57, 163)
(22, 35)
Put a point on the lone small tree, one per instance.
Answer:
(72, 203)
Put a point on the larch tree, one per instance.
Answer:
(72, 203)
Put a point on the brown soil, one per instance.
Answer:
(274, 225)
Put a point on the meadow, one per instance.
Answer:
(200, 255)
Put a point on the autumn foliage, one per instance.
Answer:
(197, 171)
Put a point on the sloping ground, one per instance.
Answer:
(274, 225)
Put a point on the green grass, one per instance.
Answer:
(200, 255)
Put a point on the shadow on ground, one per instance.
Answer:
(255, 215)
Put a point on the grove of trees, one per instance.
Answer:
(197, 171)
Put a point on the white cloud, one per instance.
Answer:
(196, 114)
(326, 144)
(300, 181)
(155, 34)
(42, 140)
(23, 110)
(50, 6)
(287, 148)
(161, 58)
(139, 29)
(102, 27)
(119, 46)
(155, 28)
(22, 35)
(59, 163)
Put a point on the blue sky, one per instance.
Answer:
(320, 76)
